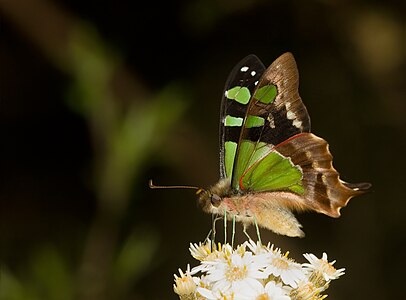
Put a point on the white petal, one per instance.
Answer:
(206, 293)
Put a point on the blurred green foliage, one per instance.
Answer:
(45, 277)
(124, 133)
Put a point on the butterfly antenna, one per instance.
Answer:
(153, 186)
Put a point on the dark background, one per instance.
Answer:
(99, 96)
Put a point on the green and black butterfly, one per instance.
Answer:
(270, 163)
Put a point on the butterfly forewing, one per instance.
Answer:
(277, 101)
(274, 114)
(236, 98)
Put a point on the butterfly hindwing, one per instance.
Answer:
(272, 171)
(323, 190)
(237, 93)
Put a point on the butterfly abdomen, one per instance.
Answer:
(270, 210)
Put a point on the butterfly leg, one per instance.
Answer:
(257, 228)
(213, 228)
(233, 234)
(245, 226)
(208, 235)
(215, 218)
(225, 226)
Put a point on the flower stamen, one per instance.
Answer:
(235, 273)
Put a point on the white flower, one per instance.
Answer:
(271, 291)
(185, 284)
(215, 295)
(201, 251)
(281, 266)
(211, 260)
(258, 248)
(253, 271)
(322, 266)
(307, 290)
(236, 272)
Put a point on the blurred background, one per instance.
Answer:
(97, 97)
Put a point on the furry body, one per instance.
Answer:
(271, 210)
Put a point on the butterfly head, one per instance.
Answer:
(211, 199)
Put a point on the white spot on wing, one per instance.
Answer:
(271, 121)
(256, 82)
(253, 73)
(244, 69)
(297, 123)
(291, 115)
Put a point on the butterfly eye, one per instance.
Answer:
(215, 200)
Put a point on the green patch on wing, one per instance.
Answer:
(248, 153)
(233, 121)
(297, 188)
(273, 172)
(239, 94)
(230, 149)
(254, 121)
(266, 94)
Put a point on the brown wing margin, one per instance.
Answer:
(325, 192)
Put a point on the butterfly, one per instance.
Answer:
(271, 165)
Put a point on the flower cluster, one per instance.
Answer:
(253, 271)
